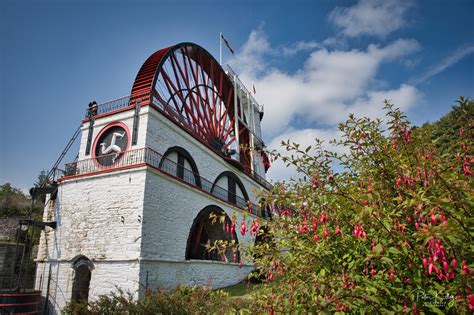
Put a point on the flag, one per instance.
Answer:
(254, 90)
(226, 42)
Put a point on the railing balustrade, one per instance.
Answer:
(124, 102)
(112, 105)
(147, 156)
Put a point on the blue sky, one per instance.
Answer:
(313, 62)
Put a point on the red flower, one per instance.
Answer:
(470, 297)
(325, 232)
(315, 237)
(243, 228)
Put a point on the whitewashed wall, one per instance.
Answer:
(106, 277)
(135, 222)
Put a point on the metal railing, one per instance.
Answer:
(147, 156)
(168, 109)
(112, 105)
(124, 102)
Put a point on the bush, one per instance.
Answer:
(385, 227)
(182, 300)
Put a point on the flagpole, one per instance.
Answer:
(220, 48)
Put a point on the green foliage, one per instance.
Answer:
(13, 202)
(390, 232)
(182, 300)
(445, 131)
(384, 227)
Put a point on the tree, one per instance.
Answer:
(385, 227)
(13, 202)
(42, 179)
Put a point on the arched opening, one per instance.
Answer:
(207, 228)
(178, 162)
(229, 187)
(82, 276)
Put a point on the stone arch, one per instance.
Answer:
(82, 276)
(204, 231)
(180, 163)
(233, 191)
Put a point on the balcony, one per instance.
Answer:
(149, 157)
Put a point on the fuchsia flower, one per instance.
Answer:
(243, 228)
(254, 228)
(465, 269)
(433, 217)
(315, 237)
(470, 298)
(466, 169)
(325, 232)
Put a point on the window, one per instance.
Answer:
(229, 187)
(178, 162)
(205, 232)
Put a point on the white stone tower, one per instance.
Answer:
(133, 210)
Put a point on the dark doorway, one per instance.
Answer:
(80, 286)
(82, 277)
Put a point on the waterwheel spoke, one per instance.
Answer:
(195, 93)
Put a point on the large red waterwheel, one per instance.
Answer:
(190, 87)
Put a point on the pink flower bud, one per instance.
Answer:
(315, 237)
(445, 266)
(433, 218)
(243, 228)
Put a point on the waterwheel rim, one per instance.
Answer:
(190, 86)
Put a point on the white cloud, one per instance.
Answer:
(323, 89)
(328, 86)
(444, 64)
(305, 138)
(371, 104)
(250, 59)
(298, 47)
(371, 17)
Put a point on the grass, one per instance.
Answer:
(243, 288)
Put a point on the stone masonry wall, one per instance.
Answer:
(163, 134)
(106, 277)
(98, 217)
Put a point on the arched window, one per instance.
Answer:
(178, 162)
(205, 232)
(82, 276)
(229, 187)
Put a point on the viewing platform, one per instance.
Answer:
(148, 157)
